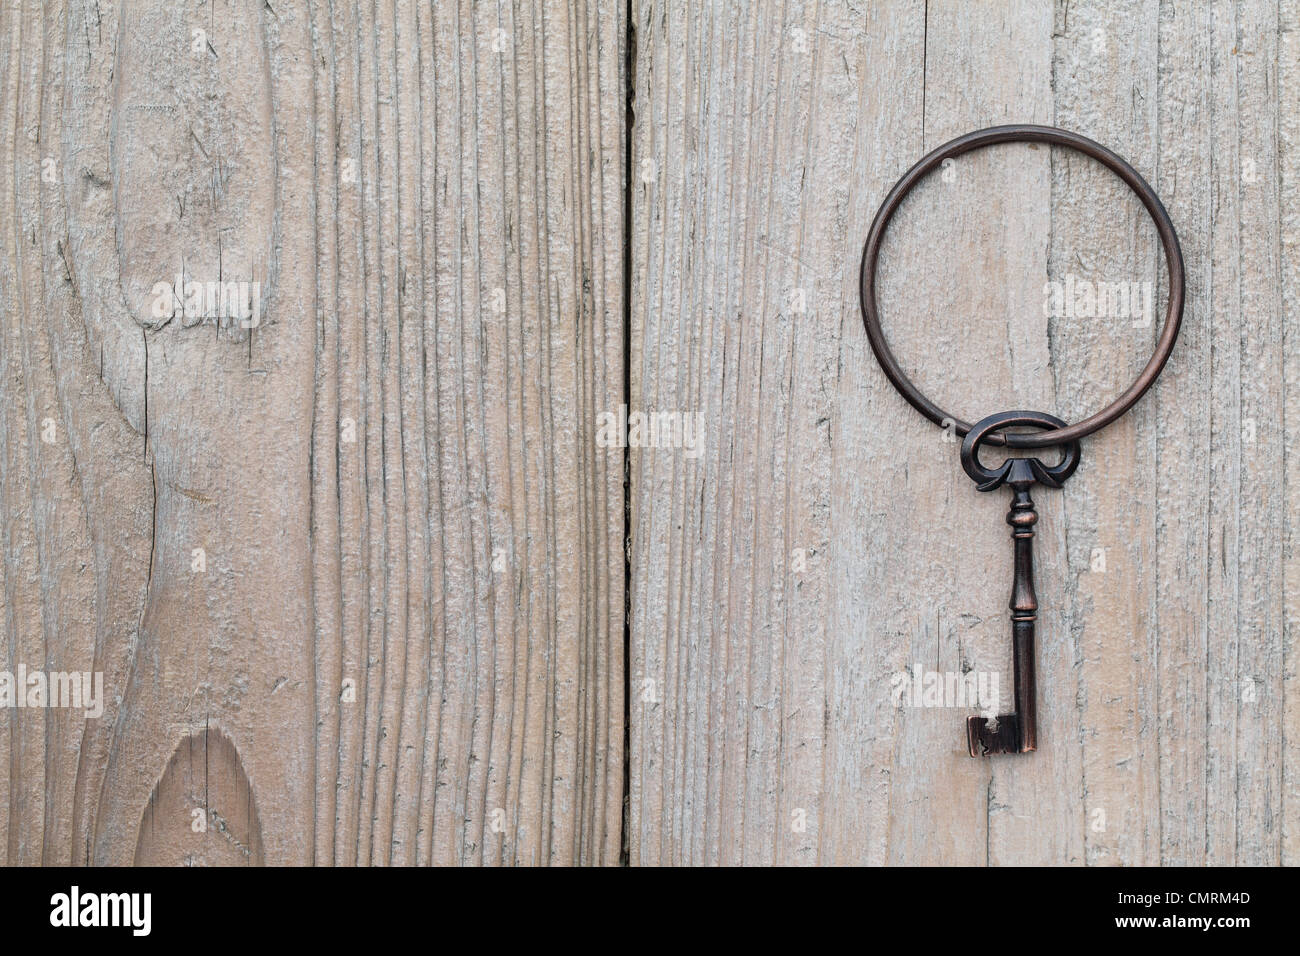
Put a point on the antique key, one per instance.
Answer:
(1017, 732)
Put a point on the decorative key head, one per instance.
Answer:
(1016, 472)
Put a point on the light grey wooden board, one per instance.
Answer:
(1288, 128)
(826, 539)
(402, 640)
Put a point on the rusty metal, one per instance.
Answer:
(1017, 732)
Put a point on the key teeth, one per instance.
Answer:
(982, 742)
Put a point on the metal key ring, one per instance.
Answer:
(1025, 134)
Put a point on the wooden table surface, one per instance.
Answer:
(371, 573)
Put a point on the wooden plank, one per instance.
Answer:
(1183, 565)
(826, 540)
(364, 553)
(1289, 225)
(1101, 681)
(1253, 687)
(974, 289)
(734, 320)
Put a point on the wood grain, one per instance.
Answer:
(363, 555)
(354, 570)
(827, 541)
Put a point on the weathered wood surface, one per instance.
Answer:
(826, 539)
(354, 574)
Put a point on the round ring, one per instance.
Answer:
(1025, 134)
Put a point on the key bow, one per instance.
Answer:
(1016, 471)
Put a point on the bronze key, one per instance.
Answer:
(1016, 732)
